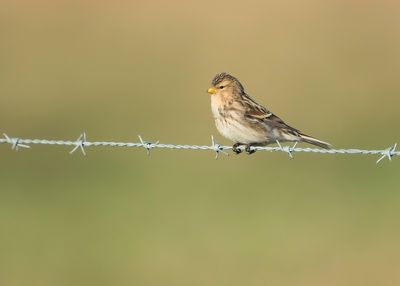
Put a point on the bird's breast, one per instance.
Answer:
(217, 108)
(231, 122)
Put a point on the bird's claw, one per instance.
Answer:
(248, 150)
(236, 149)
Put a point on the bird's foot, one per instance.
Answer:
(248, 149)
(236, 149)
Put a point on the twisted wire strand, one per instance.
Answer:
(82, 143)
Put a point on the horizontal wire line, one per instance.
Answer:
(82, 143)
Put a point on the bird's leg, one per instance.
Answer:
(248, 149)
(236, 149)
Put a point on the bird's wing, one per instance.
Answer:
(255, 111)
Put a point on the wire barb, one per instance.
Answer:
(287, 149)
(147, 145)
(388, 153)
(217, 148)
(80, 143)
(15, 142)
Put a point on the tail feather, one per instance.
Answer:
(313, 141)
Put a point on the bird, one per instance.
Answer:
(242, 120)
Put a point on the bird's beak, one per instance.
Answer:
(211, 91)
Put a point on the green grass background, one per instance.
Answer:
(116, 69)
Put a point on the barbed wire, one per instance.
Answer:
(82, 143)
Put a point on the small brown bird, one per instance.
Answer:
(242, 120)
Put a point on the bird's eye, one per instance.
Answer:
(221, 87)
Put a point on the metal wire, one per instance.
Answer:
(82, 143)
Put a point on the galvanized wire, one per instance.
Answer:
(82, 143)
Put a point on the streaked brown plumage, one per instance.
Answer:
(242, 120)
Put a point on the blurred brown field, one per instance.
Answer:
(116, 69)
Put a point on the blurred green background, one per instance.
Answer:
(116, 69)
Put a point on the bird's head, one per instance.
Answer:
(225, 85)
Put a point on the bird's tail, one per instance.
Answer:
(313, 141)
